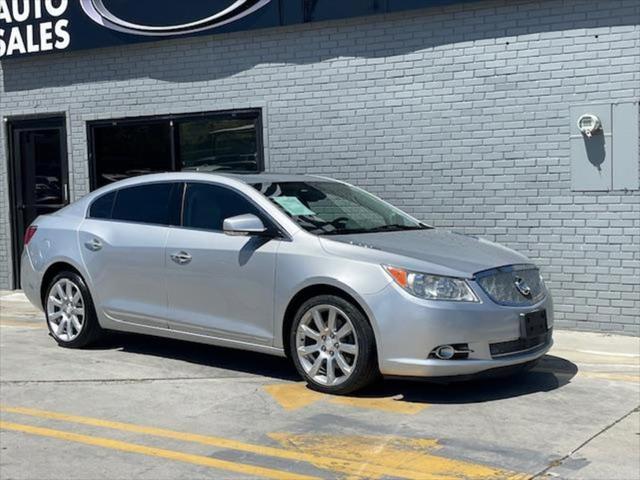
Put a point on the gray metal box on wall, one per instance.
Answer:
(608, 158)
(626, 146)
(591, 159)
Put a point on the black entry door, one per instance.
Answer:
(39, 171)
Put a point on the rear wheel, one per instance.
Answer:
(70, 313)
(333, 346)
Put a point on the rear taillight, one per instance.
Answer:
(28, 235)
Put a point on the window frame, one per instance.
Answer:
(174, 120)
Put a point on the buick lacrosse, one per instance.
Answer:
(346, 285)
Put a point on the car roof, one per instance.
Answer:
(186, 176)
(251, 178)
(248, 178)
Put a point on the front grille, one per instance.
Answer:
(502, 285)
(501, 349)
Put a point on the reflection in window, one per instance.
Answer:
(216, 142)
(128, 150)
(153, 203)
(219, 144)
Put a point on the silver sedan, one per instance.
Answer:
(346, 285)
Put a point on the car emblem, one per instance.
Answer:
(101, 14)
(522, 287)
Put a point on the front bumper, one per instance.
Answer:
(408, 329)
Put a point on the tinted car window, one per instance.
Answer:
(102, 207)
(154, 203)
(206, 206)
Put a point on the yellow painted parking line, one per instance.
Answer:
(389, 404)
(320, 461)
(155, 452)
(394, 454)
(292, 396)
(329, 459)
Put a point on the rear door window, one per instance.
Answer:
(103, 206)
(153, 203)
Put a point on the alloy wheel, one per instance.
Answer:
(327, 345)
(65, 310)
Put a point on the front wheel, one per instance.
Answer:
(71, 317)
(333, 345)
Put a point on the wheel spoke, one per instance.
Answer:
(316, 366)
(76, 323)
(310, 333)
(309, 349)
(60, 292)
(317, 318)
(69, 290)
(348, 348)
(78, 311)
(331, 323)
(342, 363)
(63, 326)
(344, 331)
(55, 300)
(331, 371)
(54, 315)
(76, 297)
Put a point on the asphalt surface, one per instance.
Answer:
(143, 408)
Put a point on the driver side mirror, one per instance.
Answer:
(242, 225)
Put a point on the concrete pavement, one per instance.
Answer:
(140, 407)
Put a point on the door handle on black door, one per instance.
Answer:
(181, 258)
(94, 245)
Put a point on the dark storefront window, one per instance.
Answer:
(218, 144)
(212, 142)
(123, 151)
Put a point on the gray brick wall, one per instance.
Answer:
(426, 109)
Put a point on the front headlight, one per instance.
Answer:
(432, 287)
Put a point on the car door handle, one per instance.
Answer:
(181, 258)
(94, 245)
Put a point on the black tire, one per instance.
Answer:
(365, 370)
(91, 329)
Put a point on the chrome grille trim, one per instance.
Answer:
(500, 285)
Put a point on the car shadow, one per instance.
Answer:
(200, 354)
(551, 373)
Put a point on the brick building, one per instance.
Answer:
(462, 113)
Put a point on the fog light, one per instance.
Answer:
(446, 352)
(455, 351)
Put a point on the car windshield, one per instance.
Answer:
(332, 208)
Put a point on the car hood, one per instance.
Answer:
(447, 252)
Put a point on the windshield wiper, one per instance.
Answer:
(406, 227)
(382, 228)
(396, 227)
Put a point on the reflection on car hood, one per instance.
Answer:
(453, 251)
